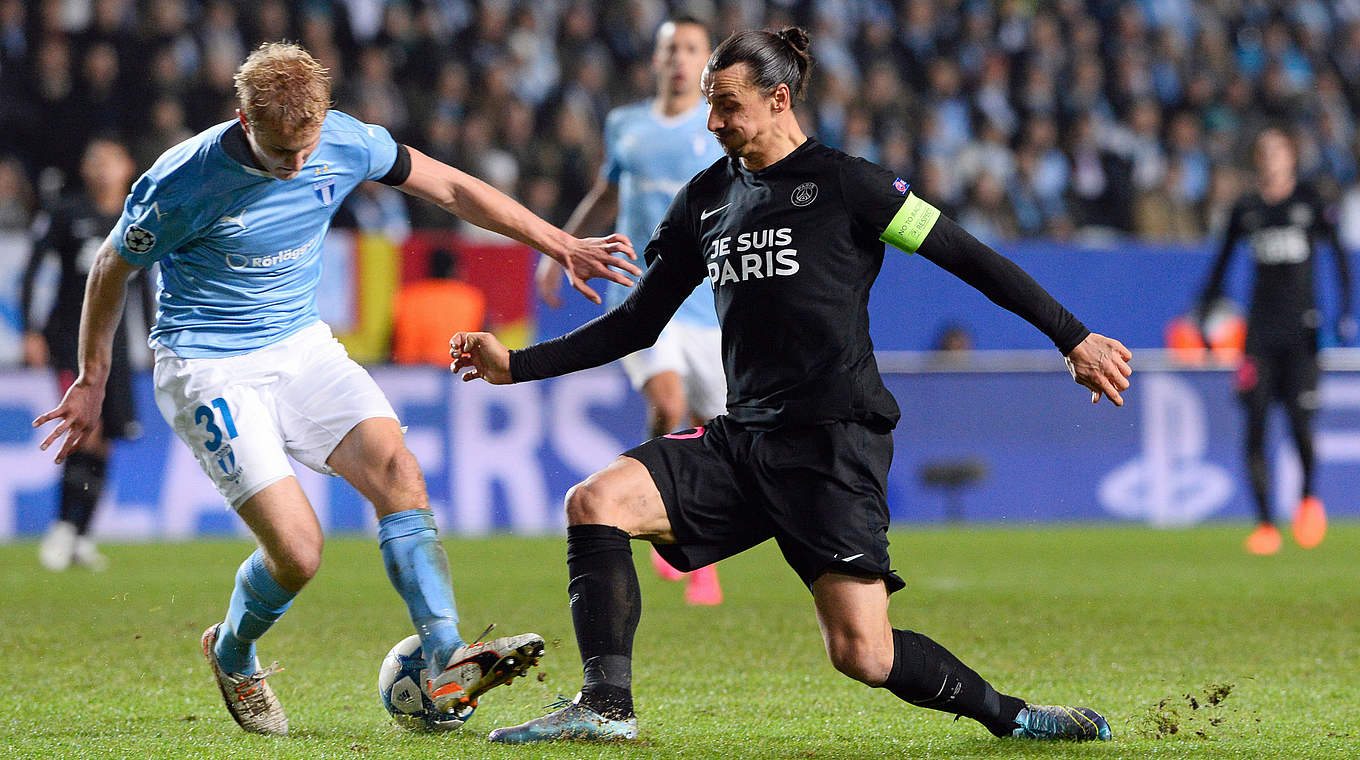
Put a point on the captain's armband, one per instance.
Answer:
(910, 225)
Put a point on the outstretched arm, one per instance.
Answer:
(881, 204)
(1345, 320)
(628, 327)
(1095, 361)
(953, 249)
(595, 212)
(35, 345)
(471, 199)
(79, 408)
(1213, 287)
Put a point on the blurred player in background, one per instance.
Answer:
(1282, 222)
(426, 312)
(247, 374)
(72, 232)
(651, 150)
(790, 233)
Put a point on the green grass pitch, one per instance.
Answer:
(1190, 647)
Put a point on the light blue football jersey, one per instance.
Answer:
(650, 157)
(240, 251)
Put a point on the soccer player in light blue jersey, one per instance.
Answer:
(652, 149)
(247, 374)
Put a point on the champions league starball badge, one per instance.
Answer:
(138, 239)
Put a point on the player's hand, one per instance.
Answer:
(548, 281)
(79, 414)
(586, 258)
(1101, 364)
(482, 354)
(1346, 329)
(35, 350)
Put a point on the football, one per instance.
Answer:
(399, 687)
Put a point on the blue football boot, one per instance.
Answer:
(573, 721)
(1061, 722)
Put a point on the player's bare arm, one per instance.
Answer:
(79, 408)
(471, 199)
(594, 212)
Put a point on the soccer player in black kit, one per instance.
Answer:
(72, 231)
(789, 234)
(1282, 223)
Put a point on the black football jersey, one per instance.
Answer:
(72, 232)
(1282, 239)
(790, 252)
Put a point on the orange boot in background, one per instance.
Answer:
(1310, 522)
(703, 588)
(663, 568)
(1264, 540)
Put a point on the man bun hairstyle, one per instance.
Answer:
(283, 86)
(773, 58)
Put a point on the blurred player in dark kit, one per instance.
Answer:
(1282, 223)
(72, 232)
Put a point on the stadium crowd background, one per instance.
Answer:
(1055, 119)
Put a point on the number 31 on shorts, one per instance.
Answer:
(204, 416)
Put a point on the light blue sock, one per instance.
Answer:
(419, 569)
(257, 601)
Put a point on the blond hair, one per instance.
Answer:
(283, 86)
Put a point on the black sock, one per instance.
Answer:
(928, 675)
(605, 608)
(82, 481)
(1258, 471)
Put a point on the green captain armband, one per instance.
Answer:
(911, 224)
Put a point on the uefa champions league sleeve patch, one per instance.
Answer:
(138, 239)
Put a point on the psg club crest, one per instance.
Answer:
(900, 186)
(325, 190)
(804, 194)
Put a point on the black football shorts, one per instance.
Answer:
(819, 491)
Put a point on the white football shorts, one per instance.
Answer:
(693, 352)
(244, 415)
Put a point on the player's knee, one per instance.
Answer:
(395, 480)
(400, 468)
(589, 503)
(859, 658)
(298, 564)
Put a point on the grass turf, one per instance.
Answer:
(1190, 647)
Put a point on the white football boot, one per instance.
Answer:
(87, 555)
(249, 699)
(474, 669)
(58, 547)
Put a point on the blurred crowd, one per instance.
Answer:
(1021, 118)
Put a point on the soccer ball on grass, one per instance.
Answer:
(400, 682)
